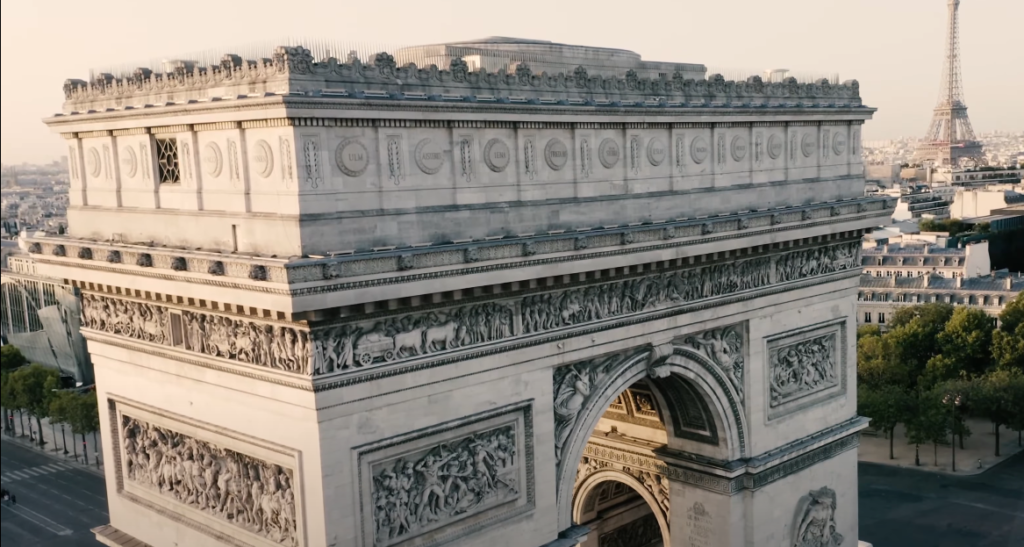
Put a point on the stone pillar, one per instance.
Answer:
(702, 518)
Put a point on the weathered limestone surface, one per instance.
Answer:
(352, 303)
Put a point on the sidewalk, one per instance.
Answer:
(979, 446)
(54, 446)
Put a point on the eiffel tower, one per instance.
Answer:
(950, 139)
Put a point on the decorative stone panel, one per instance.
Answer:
(806, 367)
(445, 482)
(240, 490)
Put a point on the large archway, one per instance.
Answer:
(619, 510)
(695, 398)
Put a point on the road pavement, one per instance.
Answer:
(907, 507)
(58, 502)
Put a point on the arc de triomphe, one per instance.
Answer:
(353, 303)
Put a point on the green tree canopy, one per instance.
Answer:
(868, 330)
(11, 358)
(967, 341)
(76, 410)
(1008, 349)
(929, 422)
(879, 365)
(887, 406)
(33, 388)
(996, 396)
(1012, 315)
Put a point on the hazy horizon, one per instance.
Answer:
(894, 49)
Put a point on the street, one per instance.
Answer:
(58, 503)
(907, 507)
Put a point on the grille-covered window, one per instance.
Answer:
(167, 160)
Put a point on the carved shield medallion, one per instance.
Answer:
(497, 155)
(556, 154)
(263, 159)
(213, 161)
(429, 156)
(699, 150)
(352, 157)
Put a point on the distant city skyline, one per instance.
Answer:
(894, 49)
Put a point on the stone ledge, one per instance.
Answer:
(112, 537)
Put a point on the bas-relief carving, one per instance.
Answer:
(699, 150)
(394, 144)
(311, 160)
(245, 491)
(275, 347)
(585, 159)
(815, 522)
(263, 159)
(233, 166)
(656, 152)
(212, 159)
(497, 155)
(556, 154)
(287, 161)
(803, 368)
(352, 157)
(92, 162)
(640, 532)
(129, 162)
(529, 160)
(724, 347)
(466, 157)
(608, 153)
(437, 486)
(429, 157)
(360, 345)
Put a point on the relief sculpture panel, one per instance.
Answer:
(242, 490)
(458, 477)
(805, 367)
(276, 347)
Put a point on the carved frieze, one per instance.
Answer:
(450, 476)
(814, 524)
(245, 491)
(818, 261)
(272, 346)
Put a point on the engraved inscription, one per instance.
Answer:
(497, 155)
(556, 154)
(429, 157)
(352, 157)
(700, 526)
(423, 490)
(738, 148)
(213, 161)
(839, 143)
(245, 491)
(656, 152)
(808, 144)
(699, 150)
(263, 159)
(608, 153)
(92, 162)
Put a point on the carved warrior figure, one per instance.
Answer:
(574, 386)
(245, 491)
(725, 349)
(449, 480)
(801, 368)
(815, 525)
(819, 261)
(282, 348)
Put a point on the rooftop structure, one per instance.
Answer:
(919, 259)
(879, 298)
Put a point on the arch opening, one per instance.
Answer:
(618, 511)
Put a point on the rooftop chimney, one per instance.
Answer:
(959, 282)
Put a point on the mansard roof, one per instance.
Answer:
(992, 283)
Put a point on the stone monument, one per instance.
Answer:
(350, 303)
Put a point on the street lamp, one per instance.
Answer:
(953, 400)
(63, 440)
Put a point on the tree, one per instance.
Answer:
(6, 396)
(879, 365)
(868, 330)
(11, 358)
(929, 423)
(967, 341)
(1008, 349)
(78, 411)
(887, 406)
(33, 388)
(914, 336)
(1012, 315)
(993, 396)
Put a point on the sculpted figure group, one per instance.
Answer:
(815, 524)
(801, 368)
(819, 261)
(353, 346)
(126, 318)
(277, 347)
(553, 310)
(450, 480)
(245, 491)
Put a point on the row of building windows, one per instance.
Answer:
(919, 273)
(20, 302)
(969, 300)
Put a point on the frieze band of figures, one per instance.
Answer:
(356, 346)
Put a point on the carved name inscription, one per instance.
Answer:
(700, 528)
(242, 490)
(417, 492)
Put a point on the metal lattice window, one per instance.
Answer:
(167, 160)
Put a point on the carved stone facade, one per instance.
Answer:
(815, 522)
(276, 347)
(250, 493)
(805, 368)
(724, 347)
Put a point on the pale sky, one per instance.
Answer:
(893, 47)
